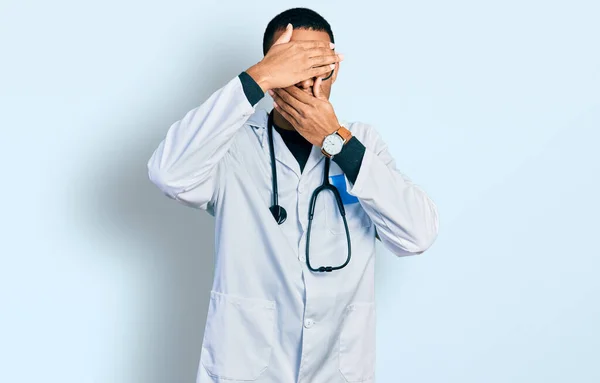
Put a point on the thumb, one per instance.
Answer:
(286, 36)
(317, 88)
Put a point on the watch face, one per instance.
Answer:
(333, 144)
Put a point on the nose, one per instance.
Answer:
(306, 84)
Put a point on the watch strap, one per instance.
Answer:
(325, 153)
(344, 133)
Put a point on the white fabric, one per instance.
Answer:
(270, 318)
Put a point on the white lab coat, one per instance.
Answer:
(270, 319)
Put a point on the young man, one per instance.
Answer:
(293, 295)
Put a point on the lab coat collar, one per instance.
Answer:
(259, 120)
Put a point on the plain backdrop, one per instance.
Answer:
(493, 107)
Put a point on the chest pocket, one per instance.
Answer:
(356, 216)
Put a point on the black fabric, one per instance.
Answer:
(349, 159)
(297, 144)
(253, 91)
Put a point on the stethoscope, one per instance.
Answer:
(280, 214)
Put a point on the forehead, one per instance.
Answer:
(304, 34)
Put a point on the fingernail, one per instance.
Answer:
(275, 104)
(289, 26)
(270, 92)
(332, 66)
(331, 45)
(341, 56)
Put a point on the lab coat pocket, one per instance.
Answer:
(357, 342)
(238, 338)
(356, 216)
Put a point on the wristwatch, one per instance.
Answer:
(334, 142)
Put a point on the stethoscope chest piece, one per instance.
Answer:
(279, 213)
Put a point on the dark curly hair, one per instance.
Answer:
(300, 18)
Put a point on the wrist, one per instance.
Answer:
(259, 75)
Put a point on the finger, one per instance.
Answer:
(320, 71)
(284, 112)
(317, 88)
(286, 36)
(314, 52)
(283, 104)
(286, 96)
(326, 59)
(296, 94)
(309, 44)
(324, 71)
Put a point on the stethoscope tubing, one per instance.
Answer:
(280, 214)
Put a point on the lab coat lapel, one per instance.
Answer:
(314, 159)
(283, 153)
(260, 119)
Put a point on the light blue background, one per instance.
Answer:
(492, 107)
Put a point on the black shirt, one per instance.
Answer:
(297, 144)
(349, 159)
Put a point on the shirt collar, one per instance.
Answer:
(259, 120)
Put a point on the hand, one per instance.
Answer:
(313, 117)
(290, 62)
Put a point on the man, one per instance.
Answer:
(293, 293)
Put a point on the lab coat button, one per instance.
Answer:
(308, 323)
(301, 189)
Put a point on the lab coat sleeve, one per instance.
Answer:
(189, 162)
(406, 219)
